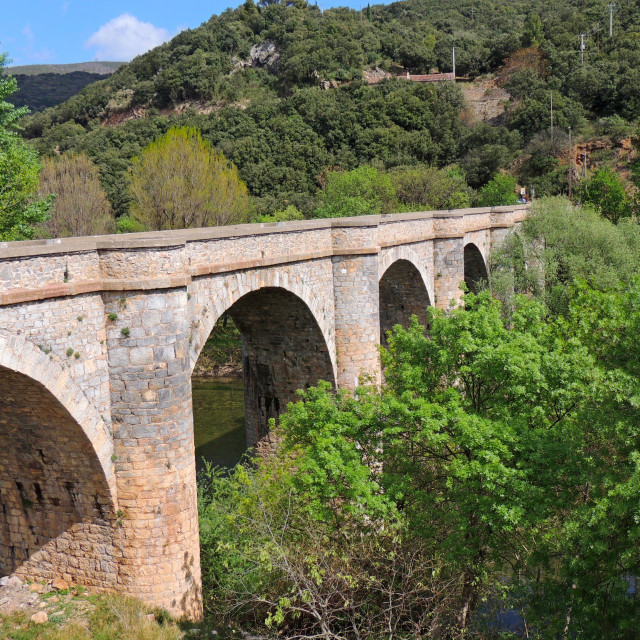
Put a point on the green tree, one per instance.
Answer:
(422, 188)
(20, 208)
(362, 191)
(180, 181)
(533, 32)
(81, 207)
(282, 215)
(467, 436)
(606, 193)
(500, 190)
(559, 243)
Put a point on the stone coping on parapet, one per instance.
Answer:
(179, 237)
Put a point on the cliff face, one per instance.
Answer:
(486, 101)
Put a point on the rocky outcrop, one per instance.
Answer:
(265, 55)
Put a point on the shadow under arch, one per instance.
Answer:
(402, 293)
(283, 350)
(57, 502)
(475, 269)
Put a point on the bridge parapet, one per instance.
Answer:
(41, 269)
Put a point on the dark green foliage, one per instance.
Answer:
(282, 146)
(37, 92)
(292, 131)
(605, 192)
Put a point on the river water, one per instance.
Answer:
(218, 419)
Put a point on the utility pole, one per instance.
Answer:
(552, 116)
(581, 36)
(584, 159)
(570, 164)
(611, 7)
(585, 173)
(473, 20)
(453, 62)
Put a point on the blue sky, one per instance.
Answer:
(64, 31)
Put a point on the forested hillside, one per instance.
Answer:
(37, 92)
(279, 89)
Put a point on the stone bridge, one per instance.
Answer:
(98, 339)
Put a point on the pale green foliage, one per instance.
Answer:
(362, 191)
(20, 208)
(282, 215)
(128, 224)
(179, 182)
(559, 242)
(367, 190)
(499, 191)
(423, 188)
(107, 617)
(81, 207)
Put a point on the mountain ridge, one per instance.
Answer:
(100, 67)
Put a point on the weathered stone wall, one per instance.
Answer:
(56, 512)
(283, 351)
(57, 484)
(71, 332)
(211, 296)
(475, 269)
(154, 448)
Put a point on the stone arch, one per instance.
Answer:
(284, 349)
(211, 297)
(402, 293)
(475, 268)
(420, 256)
(57, 485)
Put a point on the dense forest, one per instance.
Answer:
(296, 107)
(49, 89)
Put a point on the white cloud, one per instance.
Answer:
(27, 32)
(125, 37)
(28, 49)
